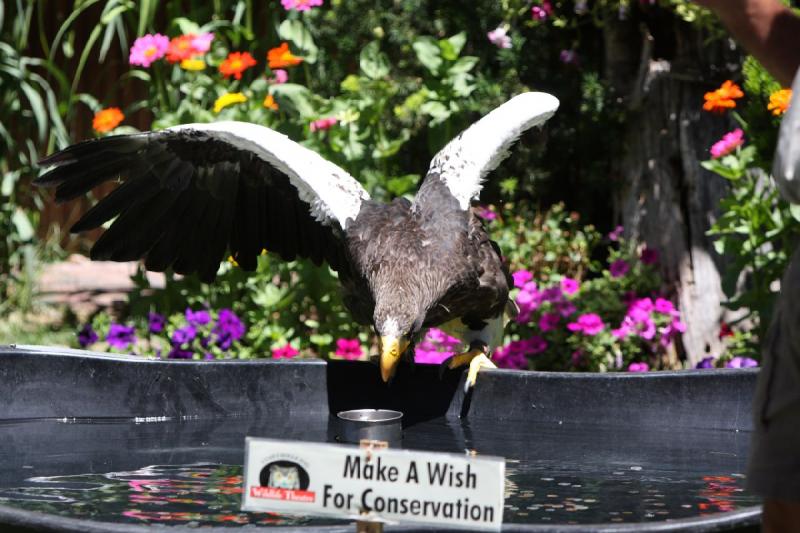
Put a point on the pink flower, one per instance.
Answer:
(499, 37)
(588, 323)
(300, 5)
(729, 142)
(284, 352)
(569, 285)
(323, 124)
(568, 57)
(549, 321)
(521, 277)
(638, 367)
(664, 307)
(649, 256)
(147, 49)
(616, 233)
(515, 353)
(552, 294)
(202, 43)
(486, 213)
(618, 268)
(349, 349)
(543, 11)
(281, 76)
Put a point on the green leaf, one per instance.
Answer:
(351, 84)
(296, 32)
(186, 26)
(401, 185)
(37, 106)
(428, 53)
(22, 224)
(463, 65)
(451, 47)
(794, 210)
(374, 64)
(321, 340)
(298, 97)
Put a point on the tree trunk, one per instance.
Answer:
(668, 200)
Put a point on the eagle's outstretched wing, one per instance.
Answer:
(191, 194)
(465, 161)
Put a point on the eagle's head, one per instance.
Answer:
(396, 327)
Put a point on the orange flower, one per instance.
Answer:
(281, 57)
(270, 103)
(236, 63)
(723, 98)
(107, 119)
(181, 48)
(779, 101)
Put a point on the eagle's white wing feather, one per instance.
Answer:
(463, 164)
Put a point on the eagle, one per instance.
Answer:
(193, 194)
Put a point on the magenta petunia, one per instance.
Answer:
(147, 49)
(638, 367)
(521, 277)
(569, 57)
(349, 349)
(729, 142)
(588, 323)
(549, 321)
(286, 351)
(649, 256)
(741, 362)
(618, 268)
(323, 124)
(300, 5)
(664, 306)
(569, 285)
(616, 233)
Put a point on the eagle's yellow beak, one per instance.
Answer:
(391, 350)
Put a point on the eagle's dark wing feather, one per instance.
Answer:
(191, 194)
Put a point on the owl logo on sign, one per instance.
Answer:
(286, 475)
(283, 477)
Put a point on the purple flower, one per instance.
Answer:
(197, 318)
(549, 321)
(521, 277)
(528, 301)
(179, 353)
(588, 323)
(155, 322)
(568, 57)
(349, 349)
(184, 335)
(499, 37)
(706, 362)
(515, 353)
(552, 294)
(543, 11)
(569, 285)
(147, 49)
(229, 328)
(121, 337)
(649, 256)
(616, 234)
(618, 268)
(640, 309)
(87, 336)
(638, 367)
(565, 309)
(741, 362)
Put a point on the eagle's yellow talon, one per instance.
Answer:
(479, 361)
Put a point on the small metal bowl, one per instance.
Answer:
(369, 424)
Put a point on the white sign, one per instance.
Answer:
(373, 484)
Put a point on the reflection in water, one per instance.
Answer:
(209, 494)
(200, 494)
